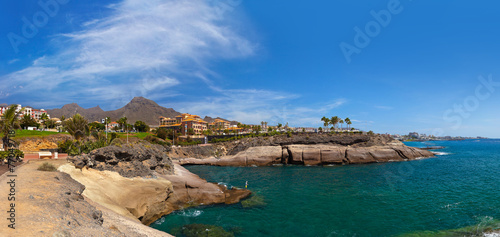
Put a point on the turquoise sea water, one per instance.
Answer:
(458, 189)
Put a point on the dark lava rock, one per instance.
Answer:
(129, 160)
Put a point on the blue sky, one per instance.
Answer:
(415, 66)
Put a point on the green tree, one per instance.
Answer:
(63, 127)
(28, 121)
(94, 126)
(44, 117)
(326, 121)
(123, 122)
(190, 131)
(320, 129)
(341, 123)
(348, 122)
(279, 126)
(334, 121)
(141, 126)
(9, 122)
(162, 133)
(50, 123)
(78, 127)
(207, 132)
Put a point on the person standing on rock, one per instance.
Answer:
(246, 184)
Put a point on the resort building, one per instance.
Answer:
(34, 113)
(37, 114)
(184, 123)
(219, 125)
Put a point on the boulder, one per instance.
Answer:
(411, 153)
(295, 152)
(384, 154)
(311, 156)
(359, 155)
(333, 155)
(264, 155)
(237, 160)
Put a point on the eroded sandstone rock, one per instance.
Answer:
(322, 154)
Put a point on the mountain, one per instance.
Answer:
(139, 108)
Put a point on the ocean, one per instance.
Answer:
(457, 193)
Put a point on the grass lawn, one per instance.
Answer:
(140, 135)
(31, 133)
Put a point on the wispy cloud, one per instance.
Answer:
(13, 61)
(383, 107)
(141, 49)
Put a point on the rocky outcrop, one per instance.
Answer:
(315, 155)
(231, 148)
(149, 199)
(140, 181)
(132, 197)
(129, 160)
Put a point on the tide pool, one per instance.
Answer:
(454, 194)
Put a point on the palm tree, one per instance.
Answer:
(341, 123)
(122, 121)
(334, 120)
(44, 117)
(326, 121)
(77, 126)
(9, 123)
(27, 121)
(348, 122)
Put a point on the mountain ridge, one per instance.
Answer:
(139, 108)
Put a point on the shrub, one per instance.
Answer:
(162, 133)
(18, 155)
(46, 166)
(74, 148)
(156, 140)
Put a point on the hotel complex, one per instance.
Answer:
(184, 122)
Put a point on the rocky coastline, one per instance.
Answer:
(321, 149)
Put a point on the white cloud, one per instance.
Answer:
(142, 47)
